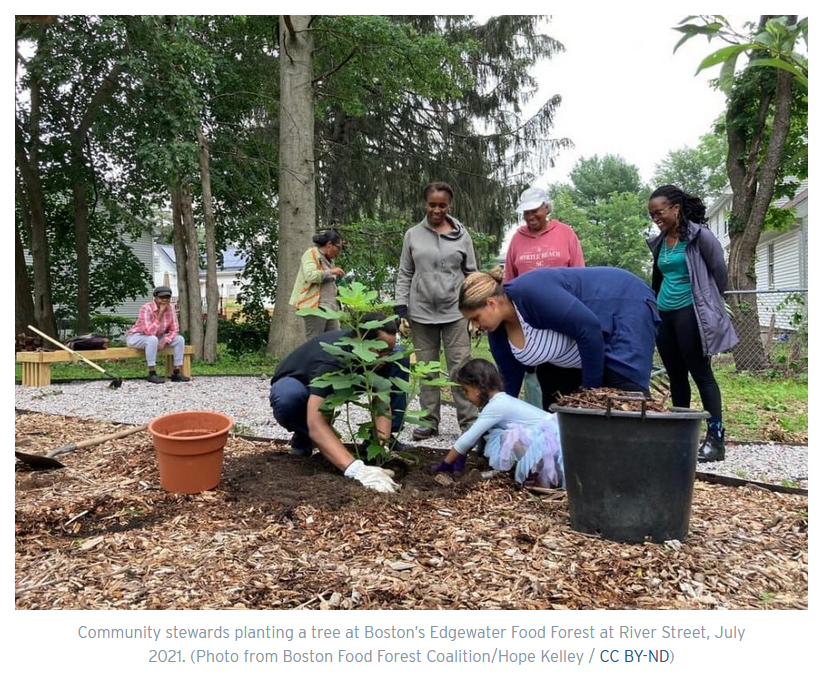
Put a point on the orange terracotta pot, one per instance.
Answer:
(190, 446)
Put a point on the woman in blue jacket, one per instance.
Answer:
(601, 320)
(689, 278)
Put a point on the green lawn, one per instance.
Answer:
(756, 407)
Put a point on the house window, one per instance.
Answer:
(726, 225)
(770, 266)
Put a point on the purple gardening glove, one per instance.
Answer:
(456, 466)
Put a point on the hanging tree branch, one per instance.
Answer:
(336, 68)
(289, 26)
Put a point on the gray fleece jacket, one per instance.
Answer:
(708, 279)
(433, 267)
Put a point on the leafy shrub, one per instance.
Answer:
(243, 337)
(110, 325)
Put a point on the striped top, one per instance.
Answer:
(546, 346)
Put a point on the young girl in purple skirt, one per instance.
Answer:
(516, 433)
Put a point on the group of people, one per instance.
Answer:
(553, 325)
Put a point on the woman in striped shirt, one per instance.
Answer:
(599, 320)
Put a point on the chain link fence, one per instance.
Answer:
(772, 326)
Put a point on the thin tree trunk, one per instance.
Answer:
(192, 270)
(23, 304)
(296, 176)
(337, 212)
(43, 309)
(81, 244)
(210, 343)
(29, 168)
(78, 135)
(179, 245)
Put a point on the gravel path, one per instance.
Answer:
(246, 400)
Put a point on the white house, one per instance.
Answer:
(165, 272)
(142, 249)
(781, 257)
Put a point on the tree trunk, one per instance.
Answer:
(296, 176)
(81, 244)
(79, 134)
(192, 269)
(29, 167)
(337, 212)
(179, 245)
(210, 343)
(753, 187)
(23, 304)
(43, 309)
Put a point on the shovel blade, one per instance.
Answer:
(38, 461)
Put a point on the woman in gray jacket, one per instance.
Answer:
(689, 278)
(436, 257)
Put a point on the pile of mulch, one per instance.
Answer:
(611, 398)
(283, 532)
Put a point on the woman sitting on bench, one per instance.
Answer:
(156, 328)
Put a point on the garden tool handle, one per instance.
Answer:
(71, 447)
(66, 348)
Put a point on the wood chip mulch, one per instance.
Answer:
(282, 532)
(600, 398)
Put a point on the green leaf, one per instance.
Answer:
(321, 312)
(337, 380)
(336, 349)
(374, 450)
(726, 74)
(784, 65)
(402, 385)
(721, 55)
(372, 324)
(416, 417)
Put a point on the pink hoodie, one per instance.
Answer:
(557, 246)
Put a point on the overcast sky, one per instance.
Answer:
(623, 90)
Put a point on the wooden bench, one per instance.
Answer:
(37, 365)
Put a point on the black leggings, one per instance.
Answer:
(680, 347)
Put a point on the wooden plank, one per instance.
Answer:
(118, 353)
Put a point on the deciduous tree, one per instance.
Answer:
(765, 103)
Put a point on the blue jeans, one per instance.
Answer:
(288, 398)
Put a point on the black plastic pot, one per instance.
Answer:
(630, 475)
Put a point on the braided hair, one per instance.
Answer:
(691, 208)
(483, 375)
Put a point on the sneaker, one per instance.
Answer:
(713, 449)
(423, 432)
(300, 451)
(153, 378)
(178, 376)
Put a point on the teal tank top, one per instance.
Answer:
(675, 292)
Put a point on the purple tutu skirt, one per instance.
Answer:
(532, 450)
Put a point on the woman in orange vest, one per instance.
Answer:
(316, 283)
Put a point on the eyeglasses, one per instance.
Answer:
(655, 214)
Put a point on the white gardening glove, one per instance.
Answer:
(371, 476)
